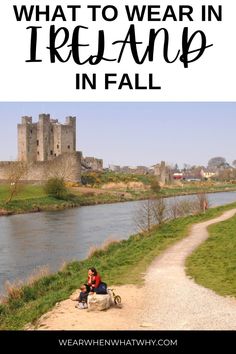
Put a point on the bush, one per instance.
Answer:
(155, 186)
(90, 178)
(56, 188)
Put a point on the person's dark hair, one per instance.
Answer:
(83, 286)
(93, 270)
(87, 287)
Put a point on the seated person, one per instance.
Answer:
(95, 283)
(83, 298)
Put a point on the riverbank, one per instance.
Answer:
(170, 306)
(119, 263)
(33, 199)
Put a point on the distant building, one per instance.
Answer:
(207, 174)
(191, 179)
(178, 175)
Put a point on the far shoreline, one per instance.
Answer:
(64, 205)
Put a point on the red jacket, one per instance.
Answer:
(95, 281)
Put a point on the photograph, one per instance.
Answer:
(117, 216)
(117, 176)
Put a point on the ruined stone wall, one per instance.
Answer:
(93, 163)
(162, 172)
(67, 166)
(4, 169)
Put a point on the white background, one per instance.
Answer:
(211, 78)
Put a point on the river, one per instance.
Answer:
(29, 241)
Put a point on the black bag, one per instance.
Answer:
(87, 288)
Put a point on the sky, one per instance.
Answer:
(135, 133)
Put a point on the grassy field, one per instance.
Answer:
(213, 264)
(191, 188)
(119, 263)
(31, 198)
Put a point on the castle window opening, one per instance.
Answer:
(38, 152)
(68, 146)
(57, 146)
(31, 131)
(37, 142)
(51, 152)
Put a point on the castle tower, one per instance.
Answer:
(46, 139)
(27, 139)
(43, 137)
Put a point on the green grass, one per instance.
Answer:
(191, 189)
(100, 178)
(119, 263)
(28, 191)
(213, 264)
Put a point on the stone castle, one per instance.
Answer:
(45, 140)
(49, 150)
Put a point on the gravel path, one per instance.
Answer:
(168, 300)
(176, 301)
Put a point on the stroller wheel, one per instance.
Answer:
(117, 300)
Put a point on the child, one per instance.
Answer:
(83, 297)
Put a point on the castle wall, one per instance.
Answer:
(4, 169)
(67, 166)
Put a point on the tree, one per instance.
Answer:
(176, 167)
(203, 202)
(62, 167)
(144, 217)
(151, 212)
(16, 171)
(216, 162)
(159, 210)
(234, 163)
(186, 166)
(56, 188)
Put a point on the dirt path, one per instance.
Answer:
(174, 300)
